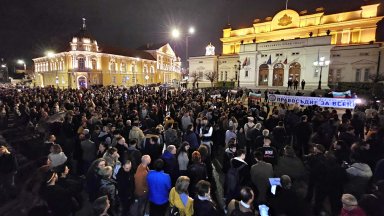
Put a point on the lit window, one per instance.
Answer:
(81, 63)
(357, 75)
(366, 74)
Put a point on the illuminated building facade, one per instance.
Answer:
(168, 64)
(85, 64)
(284, 47)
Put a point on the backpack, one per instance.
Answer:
(232, 181)
(238, 212)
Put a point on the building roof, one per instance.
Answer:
(127, 52)
(152, 46)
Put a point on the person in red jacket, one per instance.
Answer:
(350, 206)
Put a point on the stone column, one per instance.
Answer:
(270, 76)
(286, 75)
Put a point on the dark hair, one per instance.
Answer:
(100, 205)
(246, 194)
(258, 155)
(87, 136)
(202, 187)
(182, 147)
(239, 152)
(280, 123)
(231, 145)
(56, 148)
(189, 127)
(133, 142)
(158, 165)
(112, 150)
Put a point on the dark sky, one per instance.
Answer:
(29, 27)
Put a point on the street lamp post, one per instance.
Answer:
(176, 34)
(320, 63)
(237, 70)
(4, 68)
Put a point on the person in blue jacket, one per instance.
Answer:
(159, 185)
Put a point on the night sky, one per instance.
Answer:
(29, 27)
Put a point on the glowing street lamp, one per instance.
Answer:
(50, 54)
(22, 62)
(175, 33)
(320, 63)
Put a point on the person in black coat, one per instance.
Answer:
(203, 204)
(8, 169)
(303, 132)
(229, 154)
(126, 186)
(196, 172)
(286, 201)
(58, 199)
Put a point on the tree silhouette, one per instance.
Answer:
(212, 76)
(196, 77)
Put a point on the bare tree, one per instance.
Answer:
(376, 78)
(212, 76)
(196, 77)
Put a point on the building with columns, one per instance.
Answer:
(168, 64)
(286, 45)
(86, 64)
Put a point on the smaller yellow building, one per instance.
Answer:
(85, 64)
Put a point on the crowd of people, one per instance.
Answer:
(147, 151)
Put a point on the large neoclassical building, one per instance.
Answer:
(284, 47)
(85, 64)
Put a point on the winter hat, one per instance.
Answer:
(349, 200)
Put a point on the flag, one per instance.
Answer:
(269, 60)
(286, 60)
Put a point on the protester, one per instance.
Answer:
(159, 185)
(178, 197)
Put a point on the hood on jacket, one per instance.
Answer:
(360, 169)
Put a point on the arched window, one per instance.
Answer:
(94, 64)
(123, 67)
(81, 63)
(112, 65)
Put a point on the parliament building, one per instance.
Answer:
(291, 45)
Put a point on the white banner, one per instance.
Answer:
(348, 103)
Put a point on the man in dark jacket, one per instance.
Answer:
(279, 135)
(133, 154)
(8, 169)
(170, 162)
(125, 186)
(228, 155)
(303, 132)
(372, 204)
(286, 201)
(108, 187)
(269, 152)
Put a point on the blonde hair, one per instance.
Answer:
(182, 184)
(106, 171)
